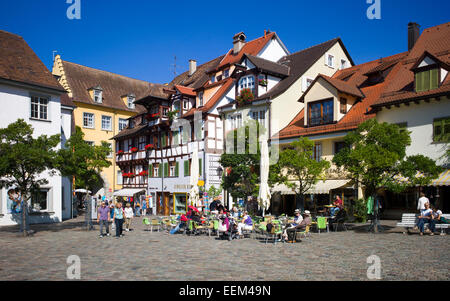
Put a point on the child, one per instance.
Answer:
(128, 216)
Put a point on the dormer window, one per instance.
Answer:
(343, 64)
(226, 73)
(343, 105)
(130, 101)
(320, 112)
(427, 79)
(213, 79)
(98, 95)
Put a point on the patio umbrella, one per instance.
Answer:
(194, 193)
(264, 191)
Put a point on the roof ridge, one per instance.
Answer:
(300, 51)
(109, 72)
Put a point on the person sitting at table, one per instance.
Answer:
(338, 201)
(437, 215)
(245, 224)
(301, 227)
(426, 217)
(235, 212)
(298, 218)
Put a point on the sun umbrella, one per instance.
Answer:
(264, 191)
(194, 193)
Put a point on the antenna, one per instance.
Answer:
(54, 51)
(174, 65)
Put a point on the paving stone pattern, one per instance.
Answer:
(144, 255)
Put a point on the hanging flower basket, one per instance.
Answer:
(134, 149)
(245, 96)
(149, 146)
(151, 116)
(120, 152)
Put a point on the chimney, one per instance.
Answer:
(192, 67)
(413, 34)
(238, 42)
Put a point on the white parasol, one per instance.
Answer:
(264, 191)
(194, 193)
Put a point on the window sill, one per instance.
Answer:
(38, 119)
(89, 128)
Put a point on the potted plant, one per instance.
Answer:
(143, 173)
(134, 149)
(262, 82)
(245, 96)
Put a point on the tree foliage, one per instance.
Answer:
(296, 167)
(377, 158)
(24, 158)
(83, 161)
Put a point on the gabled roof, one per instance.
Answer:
(433, 57)
(435, 41)
(340, 85)
(19, 63)
(266, 65)
(81, 78)
(299, 63)
(185, 90)
(358, 113)
(252, 47)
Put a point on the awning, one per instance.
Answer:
(128, 192)
(442, 180)
(82, 190)
(320, 188)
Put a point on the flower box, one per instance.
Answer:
(262, 82)
(143, 173)
(120, 152)
(134, 149)
(149, 146)
(245, 96)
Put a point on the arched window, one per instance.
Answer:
(247, 82)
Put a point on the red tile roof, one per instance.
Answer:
(185, 90)
(19, 63)
(434, 40)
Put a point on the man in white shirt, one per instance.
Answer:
(422, 201)
(426, 217)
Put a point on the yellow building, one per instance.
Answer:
(104, 101)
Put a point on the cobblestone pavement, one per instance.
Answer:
(143, 255)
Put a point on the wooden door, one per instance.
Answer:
(166, 204)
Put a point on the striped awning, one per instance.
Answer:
(442, 180)
(322, 187)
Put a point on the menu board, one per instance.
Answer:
(180, 203)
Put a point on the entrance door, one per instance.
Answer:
(166, 204)
(159, 204)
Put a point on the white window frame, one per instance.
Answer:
(130, 102)
(327, 60)
(122, 123)
(119, 177)
(40, 105)
(98, 96)
(262, 118)
(47, 190)
(110, 123)
(86, 117)
(343, 64)
(305, 80)
(245, 82)
(155, 170)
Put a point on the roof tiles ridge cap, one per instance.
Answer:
(308, 48)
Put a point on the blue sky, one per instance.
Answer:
(139, 39)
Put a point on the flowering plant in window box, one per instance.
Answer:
(262, 82)
(245, 96)
(127, 175)
(134, 149)
(143, 173)
(149, 146)
(120, 152)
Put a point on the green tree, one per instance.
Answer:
(84, 162)
(24, 158)
(242, 160)
(377, 158)
(297, 169)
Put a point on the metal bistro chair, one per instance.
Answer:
(146, 223)
(275, 232)
(322, 224)
(306, 233)
(155, 224)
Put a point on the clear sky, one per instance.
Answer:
(139, 39)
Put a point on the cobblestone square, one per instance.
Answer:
(144, 255)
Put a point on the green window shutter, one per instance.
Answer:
(163, 139)
(150, 171)
(177, 166)
(186, 168)
(166, 170)
(434, 79)
(426, 80)
(160, 169)
(200, 166)
(419, 81)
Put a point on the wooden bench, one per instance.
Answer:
(409, 220)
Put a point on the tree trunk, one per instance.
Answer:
(24, 217)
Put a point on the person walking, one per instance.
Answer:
(118, 219)
(144, 208)
(421, 203)
(111, 213)
(128, 216)
(103, 218)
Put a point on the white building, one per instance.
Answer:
(28, 91)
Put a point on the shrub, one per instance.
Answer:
(360, 211)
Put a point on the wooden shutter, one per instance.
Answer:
(200, 166)
(166, 170)
(419, 82)
(186, 168)
(150, 171)
(160, 169)
(177, 166)
(163, 139)
(426, 80)
(434, 80)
